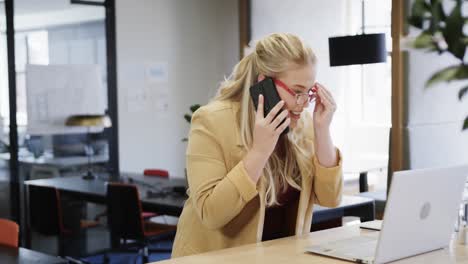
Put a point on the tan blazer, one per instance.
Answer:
(225, 208)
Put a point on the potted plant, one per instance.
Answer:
(442, 32)
(188, 116)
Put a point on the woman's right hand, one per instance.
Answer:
(265, 136)
(268, 129)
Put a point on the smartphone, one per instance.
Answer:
(267, 88)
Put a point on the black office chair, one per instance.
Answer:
(52, 216)
(127, 224)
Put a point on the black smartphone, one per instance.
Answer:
(271, 97)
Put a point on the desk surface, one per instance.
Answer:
(364, 163)
(58, 161)
(26, 256)
(347, 201)
(95, 191)
(292, 250)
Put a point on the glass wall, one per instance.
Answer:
(60, 53)
(59, 72)
(5, 211)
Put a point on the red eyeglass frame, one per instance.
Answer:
(311, 92)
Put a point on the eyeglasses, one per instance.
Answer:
(301, 98)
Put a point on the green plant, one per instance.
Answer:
(443, 33)
(188, 116)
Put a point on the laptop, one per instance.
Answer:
(420, 214)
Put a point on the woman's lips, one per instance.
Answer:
(294, 115)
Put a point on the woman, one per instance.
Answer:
(247, 183)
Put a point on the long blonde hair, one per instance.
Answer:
(273, 55)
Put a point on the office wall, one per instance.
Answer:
(197, 40)
(435, 115)
(314, 21)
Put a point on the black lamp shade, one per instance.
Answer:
(358, 49)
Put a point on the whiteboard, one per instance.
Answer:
(56, 92)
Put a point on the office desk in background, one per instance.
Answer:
(292, 250)
(27, 256)
(156, 194)
(362, 165)
(361, 207)
(169, 202)
(60, 164)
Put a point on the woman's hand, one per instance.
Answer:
(325, 108)
(265, 136)
(268, 129)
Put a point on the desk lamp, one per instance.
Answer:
(89, 121)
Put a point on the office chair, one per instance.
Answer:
(126, 222)
(157, 218)
(146, 172)
(48, 217)
(9, 231)
(155, 173)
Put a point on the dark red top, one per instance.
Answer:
(280, 220)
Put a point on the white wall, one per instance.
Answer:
(314, 21)
(199, 41)
(435, 115)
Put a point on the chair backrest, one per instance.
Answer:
(45, 210)
(124, 211)
(9, 231)
(156, 172)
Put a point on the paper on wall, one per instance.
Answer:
(146, 87)
(156, 72)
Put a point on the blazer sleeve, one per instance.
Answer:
(327, 181)
(218, 195)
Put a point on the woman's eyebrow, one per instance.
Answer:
(300, 86)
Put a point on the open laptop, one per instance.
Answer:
(420, 214)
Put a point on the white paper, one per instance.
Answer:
(159, 96)
(134, 83)
(156, 72)
(146, 87)
(56, 92)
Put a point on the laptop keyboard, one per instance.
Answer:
(362, 247)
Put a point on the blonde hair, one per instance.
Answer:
(273, 55)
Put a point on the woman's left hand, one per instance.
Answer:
(325, 107)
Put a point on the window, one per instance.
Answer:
(371, 104)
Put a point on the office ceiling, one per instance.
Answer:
(24, 7)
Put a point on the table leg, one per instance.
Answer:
(365, 211)
(27, 226)
(363, 185)
(115, 240)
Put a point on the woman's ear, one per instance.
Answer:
(260, 78)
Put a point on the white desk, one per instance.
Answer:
(60, 162)
(53, 164)
(291, 250)
(362, 165)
